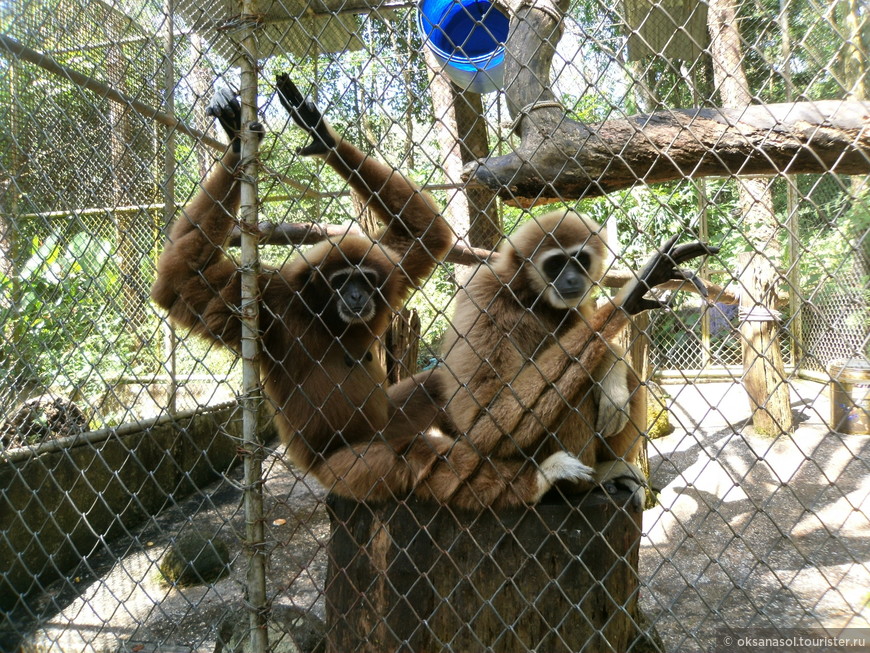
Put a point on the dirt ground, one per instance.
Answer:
(749, 532)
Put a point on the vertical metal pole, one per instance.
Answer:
(252, 399)
(12, 226)
(169, 340)
(792, 221)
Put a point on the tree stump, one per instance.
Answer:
(409, 575)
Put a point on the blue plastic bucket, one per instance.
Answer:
(467, 38)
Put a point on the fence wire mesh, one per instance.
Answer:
(123, 524)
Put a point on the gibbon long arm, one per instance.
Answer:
(521, 414)
(407, 213)
(196, 282)
(513, 409)
(321, 312)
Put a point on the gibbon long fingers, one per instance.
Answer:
(226, 109)
(661, 267)
(562, 466)
(306, 114)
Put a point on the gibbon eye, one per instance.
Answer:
(338, 279)
(360, 276)
(553, 265)
(584, 259)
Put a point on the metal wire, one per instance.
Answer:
(121, 438)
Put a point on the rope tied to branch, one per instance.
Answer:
(759, 313)
(549, 7)
(533, 106)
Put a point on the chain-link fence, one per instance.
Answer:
(147, 502)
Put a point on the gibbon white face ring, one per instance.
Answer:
(355, 289)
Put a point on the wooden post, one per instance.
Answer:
(415, 576)
(462, 137)
(403, 345)
(636, 341)
(763, 368)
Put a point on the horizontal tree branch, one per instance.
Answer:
(292, 233)
(563, 159)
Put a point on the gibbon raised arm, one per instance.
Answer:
(196, 282)
(523, 425)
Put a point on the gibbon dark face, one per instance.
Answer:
(345, 283)
(566, 275)
(556, 258)
(355, 292)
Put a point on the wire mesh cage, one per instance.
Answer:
(429, 377)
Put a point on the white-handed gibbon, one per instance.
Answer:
(321, 313)
(531, 370)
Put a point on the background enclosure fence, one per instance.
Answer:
(121, 437)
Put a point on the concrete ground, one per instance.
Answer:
(749, 532)
(755, 532)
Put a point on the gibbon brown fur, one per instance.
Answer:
(321, 314)
(519, 379)
(531, 376)
(317, 367)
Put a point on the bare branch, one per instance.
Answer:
(309, 233)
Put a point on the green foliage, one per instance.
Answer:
(57, 325)
(837, 247)
(647, 215)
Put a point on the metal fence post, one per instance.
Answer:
(252, 399)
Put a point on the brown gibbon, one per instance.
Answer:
(531, 369)
(321, 313)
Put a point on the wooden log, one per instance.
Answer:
(559, 158)
(414, 576)
(403, 345)
(763, 369)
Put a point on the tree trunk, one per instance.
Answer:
(854, 50)
(764, 378)
(461, 133)
(403, 345)
(413, 576)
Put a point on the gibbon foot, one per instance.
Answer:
(562, 466)
(616, 475)
(306, 114)
(661, 267)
